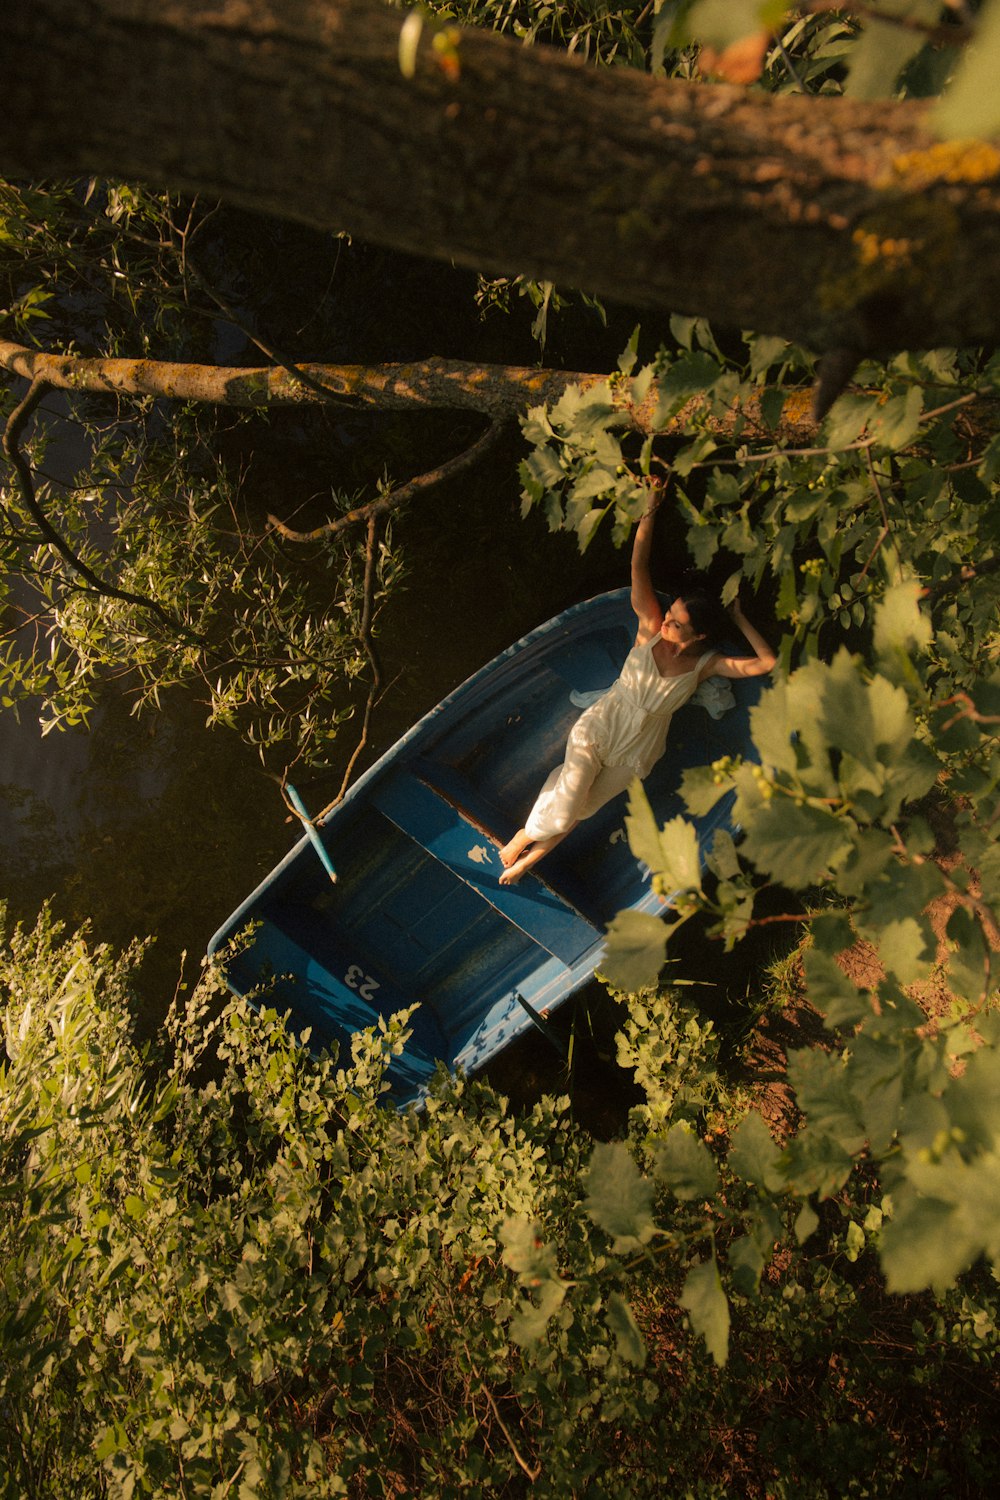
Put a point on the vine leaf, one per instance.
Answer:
(753, 1154)
(636, 949)
(970, 108)
(705, 1303)
(685, 1164)
(672, 852)
(797, 844)
(629, 1341)
(619, 1199)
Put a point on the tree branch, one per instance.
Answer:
(395, 498)
(500, 392)
(298, 373)
(957, 580)
(16, 424)
(955, 33)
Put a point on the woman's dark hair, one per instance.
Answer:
(706, 614)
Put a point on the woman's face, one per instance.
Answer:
(676, 628)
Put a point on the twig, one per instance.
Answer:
(956, 580)
(958, 33)
(16, 423)
(968, 710)
(394, 498)
(266, 347)
(525, 1468)
(886, 528)
(371, 574)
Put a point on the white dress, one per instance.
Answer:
(619, 737)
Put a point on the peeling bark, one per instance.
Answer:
(836, 224)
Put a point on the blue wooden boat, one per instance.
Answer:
(417, 913)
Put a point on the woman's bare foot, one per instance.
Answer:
(514, 872)
(512, 851)
(534, 850)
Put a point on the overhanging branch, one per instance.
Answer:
(501, 393)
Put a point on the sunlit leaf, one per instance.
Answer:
(636, 949)
(971, 104)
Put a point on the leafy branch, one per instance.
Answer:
(16, 423)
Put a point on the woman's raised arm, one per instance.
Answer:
(644, 600)
(763, 659)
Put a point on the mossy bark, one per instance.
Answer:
(832, 223)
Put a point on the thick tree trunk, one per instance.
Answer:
(831, 223)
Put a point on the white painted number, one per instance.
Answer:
(362, 982)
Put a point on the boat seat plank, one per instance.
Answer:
(470, 853)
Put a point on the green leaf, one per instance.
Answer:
(901, 627)
(753, 1154)
(772, 404)
(882, 51)
(847, 419)
(671, 852)
(629, 355)
(971, 105)
(587, 528)
(746, 1261)
(796, 843)
(685, 1164)
(897, 422)
(721, 22)
(903, 949)
(526, 1253)
(968, 970)
(723, 860)
(636, 950)
(706, 1305)
(806, 1223)
(629, 1341)
(688, 376)
(700, 791)
(927, 1243)
(833, 994)
(824, 1093)
(532, 1318)
(765, 350)
(544, 467)
(619, 1199)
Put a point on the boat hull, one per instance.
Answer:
(417, 913)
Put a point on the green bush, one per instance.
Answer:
(228, 1270)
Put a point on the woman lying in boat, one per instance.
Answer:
(624, 733)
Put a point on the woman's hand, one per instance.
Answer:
(763, 659)
(656, 490)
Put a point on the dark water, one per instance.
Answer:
(159, 827)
